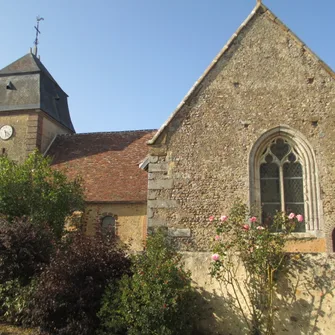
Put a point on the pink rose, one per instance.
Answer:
(215, 257)
(246, 227)
(217, 237)
(223, 218)
(253, 219)
(211, 218)
(300, 218)
(291, 216)
(260, 228)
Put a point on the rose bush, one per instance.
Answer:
(261, 253)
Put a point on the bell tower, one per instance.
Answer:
(33, 108)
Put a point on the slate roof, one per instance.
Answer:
(29, 63)
(33, 88)
(107, 162)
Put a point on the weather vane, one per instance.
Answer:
(38, 19)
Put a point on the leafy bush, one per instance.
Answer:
(15, 301)
(25, 249)
(34, 189)
(69, 291)
(157, 299)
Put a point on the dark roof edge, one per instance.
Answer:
(18, 73)
(109, 132)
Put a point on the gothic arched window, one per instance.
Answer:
(281, 181)
(283, 178)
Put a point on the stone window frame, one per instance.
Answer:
(109, 214)
(312, 198)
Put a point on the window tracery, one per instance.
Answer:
(283, 177)
(281, 181)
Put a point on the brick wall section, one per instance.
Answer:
(199, 164)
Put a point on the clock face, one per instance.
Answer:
(6, 132)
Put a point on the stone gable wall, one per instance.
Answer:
(200, 163)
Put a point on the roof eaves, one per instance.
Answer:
(204, 75)
(111, 132)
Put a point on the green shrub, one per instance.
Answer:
(157, 299)
(69, 291)
(25, 250)
(15, 301)
(36, 190)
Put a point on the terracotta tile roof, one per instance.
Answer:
(107, 162)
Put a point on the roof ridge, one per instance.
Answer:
(108, 132)
(40, 68)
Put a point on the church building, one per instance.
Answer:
(34, 114)
(258, 125)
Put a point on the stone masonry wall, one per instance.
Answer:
(304, 303)
(200, 163)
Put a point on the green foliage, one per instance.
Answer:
(156, 300)
(15, 301)
(262, 254)
(25, 250)
(35, 190)
(69, 291)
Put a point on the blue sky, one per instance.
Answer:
(126, 64)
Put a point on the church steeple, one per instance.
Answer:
(32, 105)
(33, 88)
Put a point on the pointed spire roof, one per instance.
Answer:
(260, 8)
(29, 63)
(33, 87)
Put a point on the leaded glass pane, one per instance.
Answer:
(280, 149)
(292, 170)
(281, 181)
(270, 190)
(293, 191)
(269, 171)
(291, 157)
